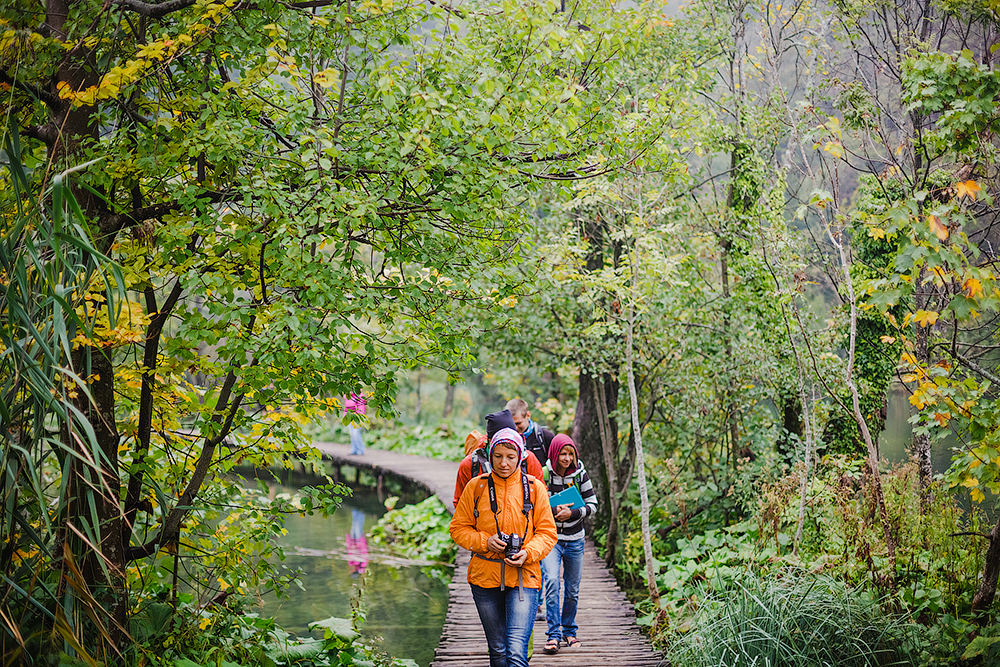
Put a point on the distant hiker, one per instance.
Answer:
(565, 471)
(503, 517)
(357, 404)
(476, 461)
(536, 438)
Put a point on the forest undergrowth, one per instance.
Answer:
(748, 594)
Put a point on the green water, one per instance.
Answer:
(404, 608)
(896, 439)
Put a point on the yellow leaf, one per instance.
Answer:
(876, 232)
(942, 419)
(972, 288)
(967, 189)
(970, 482)
(888, 340)
(834, 148)
(939, 229)
(925, 318)
(977, 495)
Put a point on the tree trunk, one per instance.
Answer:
(449, 401)
(416, 409)
(96, 491)
(590, 433)
(987, 590)
(647, 546)
(920, 449)
(890, 542)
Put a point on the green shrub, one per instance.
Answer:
(418, 531)
(795, 620)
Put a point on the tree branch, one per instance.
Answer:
(170, 530)
(113, 223)
(151, 10)
(50, 100)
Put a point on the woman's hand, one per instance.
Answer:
(517, 560)
(563, 512)
(496, 544)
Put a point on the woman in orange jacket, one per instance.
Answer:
(505, 520)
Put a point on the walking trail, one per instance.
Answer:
(608, 632)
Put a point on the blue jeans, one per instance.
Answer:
(357, 443)
(508, 621)
(569, 556)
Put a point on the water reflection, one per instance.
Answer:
(402, 605)
(895, 441)
(357, 544)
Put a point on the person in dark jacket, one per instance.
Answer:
(537, 438)
(565, 470)
(475, 462)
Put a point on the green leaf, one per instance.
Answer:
(337, 627)
(979, 646)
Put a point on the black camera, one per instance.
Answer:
(513, 545)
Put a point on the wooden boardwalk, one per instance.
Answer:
(608, 633)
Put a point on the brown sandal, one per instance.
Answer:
(571, 642)
(551, 646)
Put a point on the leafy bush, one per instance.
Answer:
(225, 635)
(793, 621)
(418, 531)
(444, 441)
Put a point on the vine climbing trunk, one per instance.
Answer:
(920, 448)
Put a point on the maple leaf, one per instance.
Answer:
(942, 418)
(925, 318)
(972, 288)
(939, 229)
(967, 189)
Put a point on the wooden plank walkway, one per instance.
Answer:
(608, 632)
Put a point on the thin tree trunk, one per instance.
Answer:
(647, 546)
(608, 458)
(449, 401)
(416, 409)
(920, 448)
(807, 458)
(890, 542)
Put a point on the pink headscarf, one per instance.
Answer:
(556, 446)
(508, 436)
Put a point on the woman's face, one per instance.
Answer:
(567, 458)
(504, 460)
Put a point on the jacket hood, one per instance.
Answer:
(557, 445)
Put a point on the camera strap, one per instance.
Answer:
(526, 506)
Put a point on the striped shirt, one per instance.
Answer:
(572, 528)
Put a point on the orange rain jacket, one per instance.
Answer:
(472, 533)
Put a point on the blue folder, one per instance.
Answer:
(570, 495)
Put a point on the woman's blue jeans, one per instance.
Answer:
(508, 621)
(357, 442)
(567, 556)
